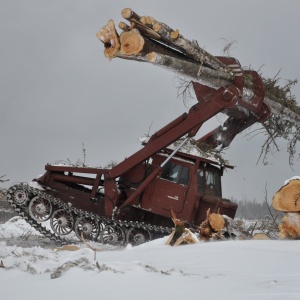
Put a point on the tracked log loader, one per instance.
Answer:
(132, 202)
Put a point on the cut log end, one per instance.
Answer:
(157, 26)
(216, 221)
(174, 34)
(131, 42)
(289, 228)
(151, 57)
(123, 26)
(287, 199)
(110, 38)
(150, 20)
(127, 13)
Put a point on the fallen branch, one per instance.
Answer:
(68, 265)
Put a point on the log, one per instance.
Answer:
(287, 199)
(221, 227)
(132, 42)
(188, 68)
(176, 236)
(123, 26)
(145, 30)
(129, 14)
(289, 228)
(187, 237)
(176, 40)
(278, 108)
(67, 248)
(205, 228)
(110, 38)
(191, 49)
(217, 222)
(260, 236)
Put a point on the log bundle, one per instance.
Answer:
(145, 39)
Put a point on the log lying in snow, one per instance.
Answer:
(220, 227)
(261, 236)
(214, 226)
(289, 228)
(180, 234)
(287, 199)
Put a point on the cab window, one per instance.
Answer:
(201, 181)
(175, 173)
(209, 182)
(213, 181)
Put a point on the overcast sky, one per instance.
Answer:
(58, 91)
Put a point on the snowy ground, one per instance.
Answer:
(216, 270)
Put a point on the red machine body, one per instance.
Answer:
(147, 186)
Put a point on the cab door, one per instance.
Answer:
(171, 187)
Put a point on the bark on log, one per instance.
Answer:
(191, 69)
(129, 14)
(278, 108)
(145, 30)
(287, 199)
(175, 39)
(188, 47)
(289, 228)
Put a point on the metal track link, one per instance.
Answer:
(22, 210)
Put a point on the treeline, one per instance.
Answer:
(251, 210)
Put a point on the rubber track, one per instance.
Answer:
(155, 231)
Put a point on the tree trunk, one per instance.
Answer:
(191, 69)
(287, 199)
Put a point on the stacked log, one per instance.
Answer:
(287, 200)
